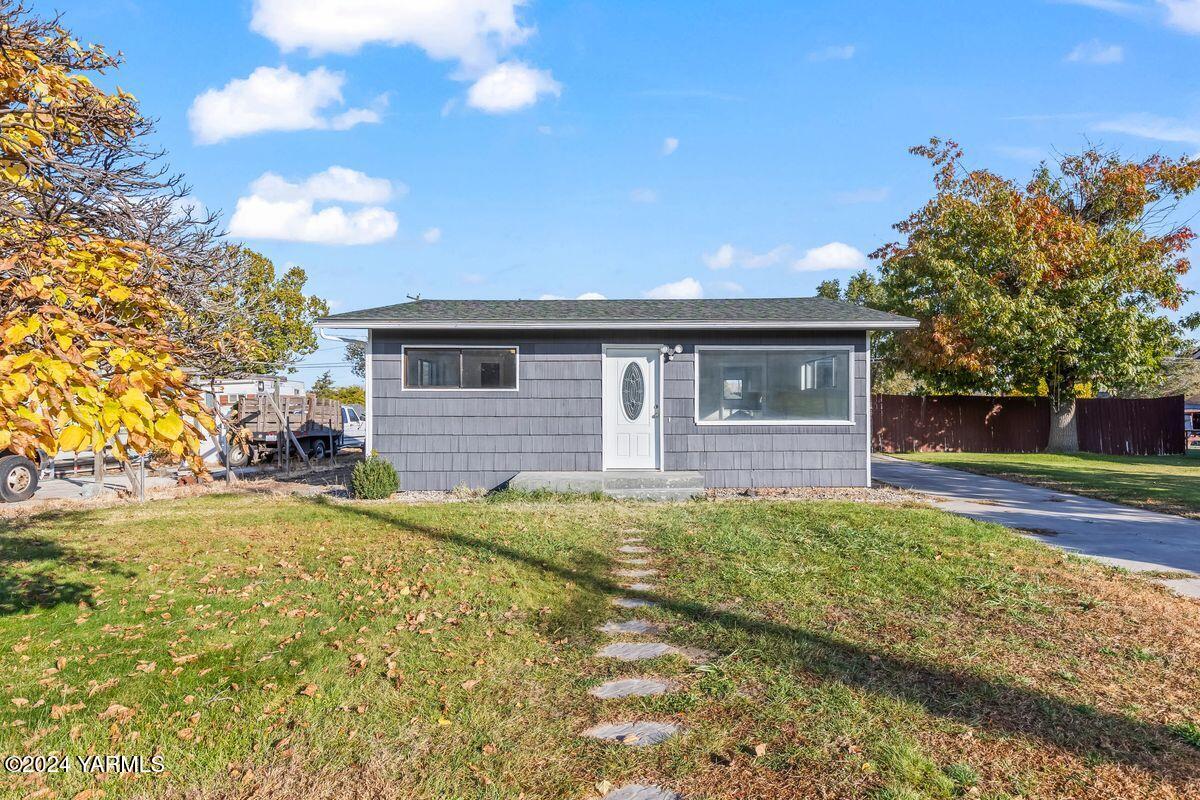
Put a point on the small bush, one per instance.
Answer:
(374, 479)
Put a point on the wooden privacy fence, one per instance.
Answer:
(1022, 424)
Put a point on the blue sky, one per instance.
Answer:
(492, 149)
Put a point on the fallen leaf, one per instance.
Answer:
(760, 750)
(310, 690)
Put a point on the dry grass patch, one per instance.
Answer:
(279, 647)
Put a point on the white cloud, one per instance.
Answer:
(842, 52)
(684, 289)
(511, 86)
(1096, 52)
(834, 255)
(275, 99)
(729, 287)
(584, 296)
(727, 256)
(1149, 126)
(1183, 14)
(432, 236)
(335, 183)
(669, 145)
(472, 32)
(643, 195)
(869, 195)
(280, 209)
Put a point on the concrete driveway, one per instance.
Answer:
(1123, 536)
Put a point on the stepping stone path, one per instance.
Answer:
(632, 626)
(638, 791)
(629, 687)
(636, 733)
(636, 573)
(633, 602)
(633, 734)
(636, 651)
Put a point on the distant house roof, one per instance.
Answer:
(774, 312)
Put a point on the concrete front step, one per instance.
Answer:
(627, 484)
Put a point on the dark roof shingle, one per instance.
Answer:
(761, 312)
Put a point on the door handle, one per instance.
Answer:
(654, 414)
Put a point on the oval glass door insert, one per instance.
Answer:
(633, 391)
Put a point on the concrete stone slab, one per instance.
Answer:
(636, 651)
(642, 587)
(633, 602)
(1121, 536)
(633, 540)
(633, 562)
(636, 573)
(629, 687)
(633, 548)
(632, 626)
(642, 791)
(633, 734)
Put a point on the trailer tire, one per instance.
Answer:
(238, 455)
(18, 478)
(318, 450)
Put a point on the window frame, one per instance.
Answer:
(404, 387)
(848, 348)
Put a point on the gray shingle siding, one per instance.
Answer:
(438, 440)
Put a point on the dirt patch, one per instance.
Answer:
(876, 494)
(333, 483)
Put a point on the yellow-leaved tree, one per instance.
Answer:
(103, 271)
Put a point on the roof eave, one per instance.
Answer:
(900, 323)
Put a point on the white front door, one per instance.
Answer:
(631, 412)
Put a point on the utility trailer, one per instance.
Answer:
(308, 426)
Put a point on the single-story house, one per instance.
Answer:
(738, 392)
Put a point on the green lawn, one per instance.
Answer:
(300, 648)
(1161, 483)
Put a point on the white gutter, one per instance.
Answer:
(501, 325)
(331, 338)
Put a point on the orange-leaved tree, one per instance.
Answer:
(100, 269)
(1050, 285)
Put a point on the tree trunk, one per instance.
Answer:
(1064, 433)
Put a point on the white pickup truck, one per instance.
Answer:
(354, 426)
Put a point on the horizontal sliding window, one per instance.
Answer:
(773, 385)
(460, 368)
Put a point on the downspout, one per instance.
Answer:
(870, 432)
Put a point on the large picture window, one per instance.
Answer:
(779, 385)
(460, 368)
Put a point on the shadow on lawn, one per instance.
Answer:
(29, 566)
(1004, 708)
